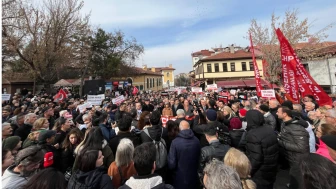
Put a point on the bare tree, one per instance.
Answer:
(295, 29)
(41, 35)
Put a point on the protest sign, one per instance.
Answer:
(95, 99)
(83, 107)
(117, 93)
(165, 119)
(242, 96)
(196, 89)
(268, 93)
(118, 100)
(223, 98)
(6, 96)
(233, 92)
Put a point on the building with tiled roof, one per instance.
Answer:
(166, 72)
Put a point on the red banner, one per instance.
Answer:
(303, 80)
(256, 70)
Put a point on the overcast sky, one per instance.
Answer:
(171, 30)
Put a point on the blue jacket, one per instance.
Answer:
(183, 159)
(108, 132)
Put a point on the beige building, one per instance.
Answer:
(227, 67)
(167, 75)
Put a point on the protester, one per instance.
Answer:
(17, 121)
(46, 141)
(48, 113)
(144, 120)
(7, 130)
(167, 110)
(239, 161)
(173, 130)
(49, 178)
(123, 166)
(62, 128)
(41, 124)
(182, 157)
(330, 141)
(25, 129)
(7, 159)
(217, 175)
(13, 144)
(269, 118)
(261, 149)
(106, 129)
(27, 162)
(330, 117)
(144, 162)
(176, 106)
(72, 140)
(91, 173)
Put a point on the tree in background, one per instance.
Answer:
(181, 80)
(295, 29)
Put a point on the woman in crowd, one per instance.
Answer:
(47, 178)
(41, 124)
(324, 129)
(167, 111)
(317, 172)
(12, 143)
(236, 132)
(32, 139)
(144, 120)
(228, 115)
(187, 108)
(74, 137)
(239, 161)
(62, 128)
(7, 159)
(91, 172)
(123, 167)
(94, 139)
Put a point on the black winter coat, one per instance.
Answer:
(235, 136)
(95, 179)
(179, 106)
(155, 132)
(68, 159)
(261, 148)
(114, 142)
(23, 131)
(294, 139)
(183, 159)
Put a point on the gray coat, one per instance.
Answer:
(269, 120)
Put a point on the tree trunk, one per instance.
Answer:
(34, 87)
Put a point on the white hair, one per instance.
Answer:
(124, 154)
(332, 113)
(62, 112)
(28, 117)
(180, 112)
(85, 117)
(5, 124)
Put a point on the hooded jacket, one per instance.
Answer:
(294, 139)
(261, 149)
(95, 179)
(183, 159)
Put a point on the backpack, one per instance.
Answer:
(161, 151)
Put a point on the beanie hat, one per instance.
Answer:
(211, 115)
(235, 123)
(11, 142)
(264, 108)
(288, 104)
(242, 112)
(44, 135)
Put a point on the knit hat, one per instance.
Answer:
(235, 123)
(11, 142)
(242, 112)
(264, 108)
(330, 141)
(211, 115)
(288, 104)
(44, 135)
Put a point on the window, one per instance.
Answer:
(157, 82)
(167, 74)
(233, 67)
(225, 67)
(147, 83)
(243, 64)
(216, 67)
(153, 82)
(251, 66)
(209, 68)
(141, 87)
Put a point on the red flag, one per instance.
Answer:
(135, 90)
(305, 82)
(256, 70)
(60, 96)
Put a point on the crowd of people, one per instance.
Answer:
(209, 143)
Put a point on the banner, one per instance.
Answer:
(223, 98)
(118, 100)
(256, 70)
(6, 97)
(268, 93)
(165, 119)
(242, 96)
(95, 99)
(83, 107)
(196, 89)
(304, 81)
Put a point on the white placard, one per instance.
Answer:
(118, 100)
(233, 92)
(117, 93)
(268, 93)
(95, 99)
(6, 96)
(83, 107)
(196, 89)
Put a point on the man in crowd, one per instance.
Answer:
(330, 117)
(182, 158)
(6, 115)
(294, 141)
(177, 105)
(273, 109)
(18, 122)
(25, 129)
(48, 113)
(107, 130)
(144, 163)
(7, 130)
(269, 118)
(27, 162)
(147, 106)
(138, 107)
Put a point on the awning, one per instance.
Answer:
(62, 82)
(252, 83)
(231, 84)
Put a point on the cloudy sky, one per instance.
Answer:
(171, 30)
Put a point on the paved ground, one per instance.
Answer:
(282, 179)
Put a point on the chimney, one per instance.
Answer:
(232, 49)
(153, 69)
(144, 67)
(170, 66)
